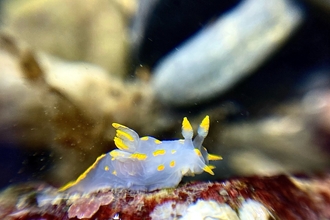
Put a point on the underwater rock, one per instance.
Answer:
(209, 209)
(276, 197)
(95, 32)
(209, 63)
(283, 141)
(253, 210)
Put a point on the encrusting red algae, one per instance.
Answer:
(281, 197)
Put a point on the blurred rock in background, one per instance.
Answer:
(215, 59)
(94, 32)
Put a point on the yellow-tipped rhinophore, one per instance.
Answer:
(187, 131)
(186, 125)
(205, 123)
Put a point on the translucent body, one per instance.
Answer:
(146, 163)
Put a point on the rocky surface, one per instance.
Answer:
(262, 198)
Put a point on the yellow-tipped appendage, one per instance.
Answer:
(116, 125)
(122, 134)
(120, 144)
(187, 130)
(205, 125)
(186, 125)
(208, 169)
(213, 157)
(203, 128)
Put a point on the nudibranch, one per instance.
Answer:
(147, 163)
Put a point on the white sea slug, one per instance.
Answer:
(147, 163)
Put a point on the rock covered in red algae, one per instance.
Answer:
(276, 197)
(89, 205)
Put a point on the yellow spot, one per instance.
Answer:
(144, 138)
(106, 168)
(214, 157)
(116, 125)
(120, 144)
(186, 125)
(122, 134)
(157, 141)
(139, 156)
(159, 152)
(161, 167)
(82, 176)
(172, 163)
(205, 123)
(208, 170)
(198, 152)
(114, 173)
(173, 151)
